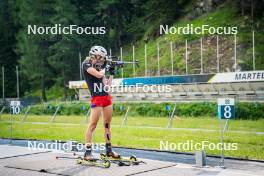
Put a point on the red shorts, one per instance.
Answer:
(101, 101)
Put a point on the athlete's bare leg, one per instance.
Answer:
(107, 117)
(94, 117)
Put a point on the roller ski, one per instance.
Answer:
(91, 162)
(94, 162)
(121, 161)
(116, 158)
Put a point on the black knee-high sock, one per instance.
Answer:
(108, 147)
(88, 150)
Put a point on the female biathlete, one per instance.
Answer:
(101, 101)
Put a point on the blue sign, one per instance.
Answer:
(121, 108)
(83, 107)
(168, 107)
(226, 108)
(226, 112)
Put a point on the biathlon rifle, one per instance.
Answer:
(115, 62)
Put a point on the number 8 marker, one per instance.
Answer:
(227, 112)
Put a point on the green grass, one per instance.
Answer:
(178, 122)
(135, 134)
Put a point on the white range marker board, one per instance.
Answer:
(15, 107)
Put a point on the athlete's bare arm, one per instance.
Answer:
(94, 72)
(109, 80)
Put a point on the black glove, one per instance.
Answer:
(110, 69)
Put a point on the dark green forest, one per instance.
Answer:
(47, 62)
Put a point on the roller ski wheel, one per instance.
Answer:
(122, 160)
(133, 158)
(94, 162)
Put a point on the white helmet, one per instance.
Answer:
(98, 50)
